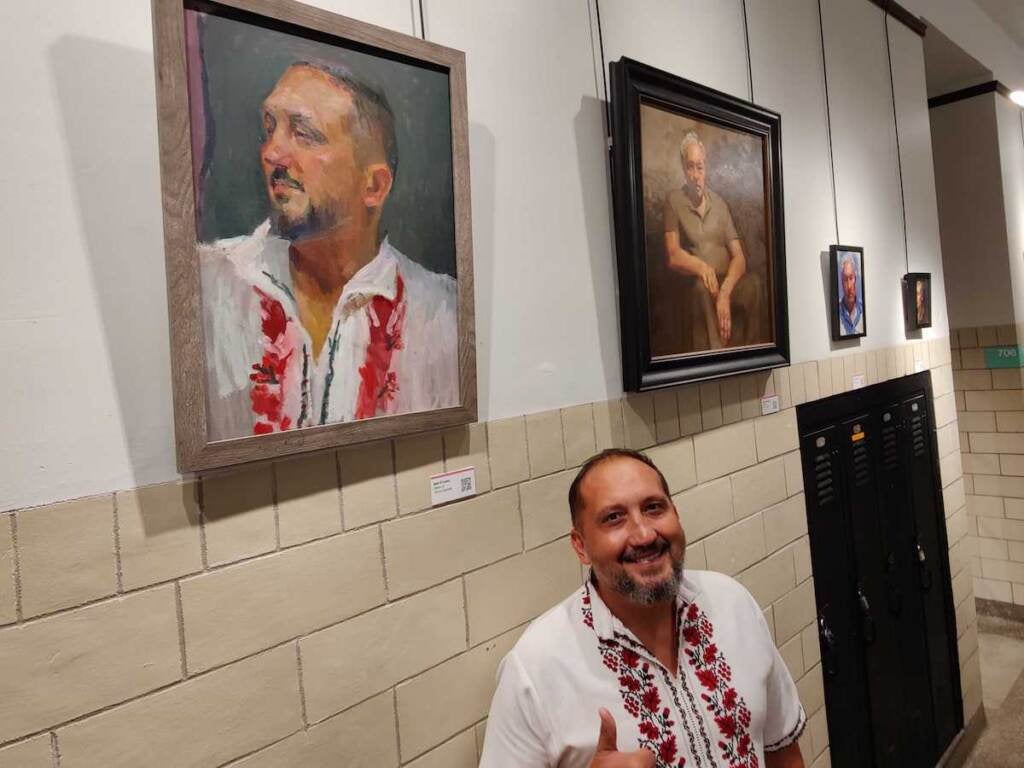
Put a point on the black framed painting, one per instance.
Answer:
(699, 232)
(917, 300)
(847, 308)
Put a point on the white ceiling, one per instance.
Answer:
(1008, 14)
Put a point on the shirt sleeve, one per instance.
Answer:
(517, 730)
(730, 226)
(669, 215)
(784, 719)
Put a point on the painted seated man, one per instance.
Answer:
(701, 240)
(315, 318)
(643, 666)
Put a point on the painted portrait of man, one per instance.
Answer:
(851, 294)
(705, 223)
(327, 258)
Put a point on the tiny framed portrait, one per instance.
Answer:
(917, 300)
(699, 232)
(315, 176)
(847, 311)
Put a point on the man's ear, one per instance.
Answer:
(577, 544)
(377, 181)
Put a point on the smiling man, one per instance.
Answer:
(642, 667)
(315, 317)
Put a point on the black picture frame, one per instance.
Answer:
(914, 320)
(633, 84)
(837, 254)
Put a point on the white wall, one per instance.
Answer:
(968, 179)
(87, 405)
(1010, 125)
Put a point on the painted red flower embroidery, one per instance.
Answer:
(266, 392)
(667, 749)
(708, 678)
(630, 658)
(651, 699)
(378, 384)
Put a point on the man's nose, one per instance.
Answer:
(641, 532)
(276, 150)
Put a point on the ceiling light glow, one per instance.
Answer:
(1017, 97)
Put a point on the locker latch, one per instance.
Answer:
(924, 572)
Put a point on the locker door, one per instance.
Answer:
(932, 580)
(879, 634)
(903, 605)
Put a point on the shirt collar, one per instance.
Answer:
(607, 625)
(271, 273)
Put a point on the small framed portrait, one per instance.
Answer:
(917, 300)
(697, 183)
(848, 313)
(315, 174)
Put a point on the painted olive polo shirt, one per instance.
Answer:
(707, 236)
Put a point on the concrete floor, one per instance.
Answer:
(1001, 644)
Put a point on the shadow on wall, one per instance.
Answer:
(107, 104)
(600, 236)
(482, 172)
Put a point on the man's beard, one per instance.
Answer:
(312, 222)
(649, 594)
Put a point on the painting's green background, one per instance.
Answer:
(241, 63)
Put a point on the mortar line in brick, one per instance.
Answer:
(302, 687)
(383, 562)
(394, 478)
(54, 749)
(337, 484)
(118, 567)
(398, 732)
(275, 507)
(179, 610)
(522, 522)
(465, 608)
(526, 442)
(19, 612)
(201, 503)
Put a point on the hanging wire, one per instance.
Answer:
(604, 72)
(746, 35)
(828, 121)
(423, 23)
(896, 127)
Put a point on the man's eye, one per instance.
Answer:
(613, 517)
(269, 124)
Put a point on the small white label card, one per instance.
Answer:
(857, 381)
(449, 486)
(769, 405)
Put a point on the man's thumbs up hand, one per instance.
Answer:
(608, 755)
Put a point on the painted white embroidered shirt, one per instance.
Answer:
(731, 699)
(392, 347)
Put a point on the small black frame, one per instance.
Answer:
(836, 254)
(910, 286)
(631, 84)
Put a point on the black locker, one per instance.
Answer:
(882, 585)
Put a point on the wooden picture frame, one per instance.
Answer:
(846, 273)
(917, 300)
(664, 127)
(197, 364)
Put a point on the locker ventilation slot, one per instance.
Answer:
(823, 478)
(917, 435)
(890, 451)
(861, 464)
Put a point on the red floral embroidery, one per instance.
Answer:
(726, 706)
(378, 384)
(268, 377)
(640, 696)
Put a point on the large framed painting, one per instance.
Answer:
(315, 180)
(697, 186)
(848, 307)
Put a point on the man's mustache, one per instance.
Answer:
(632, 554)
(281, 175)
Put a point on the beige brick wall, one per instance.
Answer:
(990, 411)
(295, 612)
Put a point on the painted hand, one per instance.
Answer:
(608, 755)
(724, 317)
(710, 280)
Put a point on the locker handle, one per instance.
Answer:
(925, 572)
(829, 662)
(867, 620)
